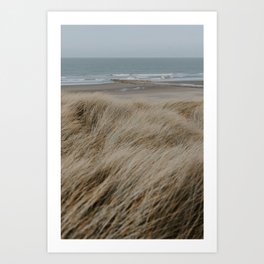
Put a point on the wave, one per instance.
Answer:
(108, 78)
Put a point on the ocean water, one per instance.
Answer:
(104, 70)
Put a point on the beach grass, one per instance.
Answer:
(131, 168)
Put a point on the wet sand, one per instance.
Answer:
(189, 90)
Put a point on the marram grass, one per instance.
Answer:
(131, 169)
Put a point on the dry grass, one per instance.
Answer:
(130, 169)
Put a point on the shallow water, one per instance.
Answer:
(104, 70)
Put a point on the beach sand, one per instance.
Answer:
(189, 90)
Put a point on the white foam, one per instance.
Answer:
(108, 78)
(120, 74)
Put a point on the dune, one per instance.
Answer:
(131, 169)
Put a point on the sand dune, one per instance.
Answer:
(131, 169)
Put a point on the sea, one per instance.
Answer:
(90, 71)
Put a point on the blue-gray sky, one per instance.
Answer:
(132, 41)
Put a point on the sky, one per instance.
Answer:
(132, 41)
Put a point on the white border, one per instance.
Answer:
(209, 21)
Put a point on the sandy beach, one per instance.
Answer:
(189, 90)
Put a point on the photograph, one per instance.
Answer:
(131, 132)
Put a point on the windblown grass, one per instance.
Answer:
(131, 169)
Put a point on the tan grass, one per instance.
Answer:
(131, 169)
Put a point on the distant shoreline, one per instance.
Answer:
(116, 82)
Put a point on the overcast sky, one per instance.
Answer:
(132, 41)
